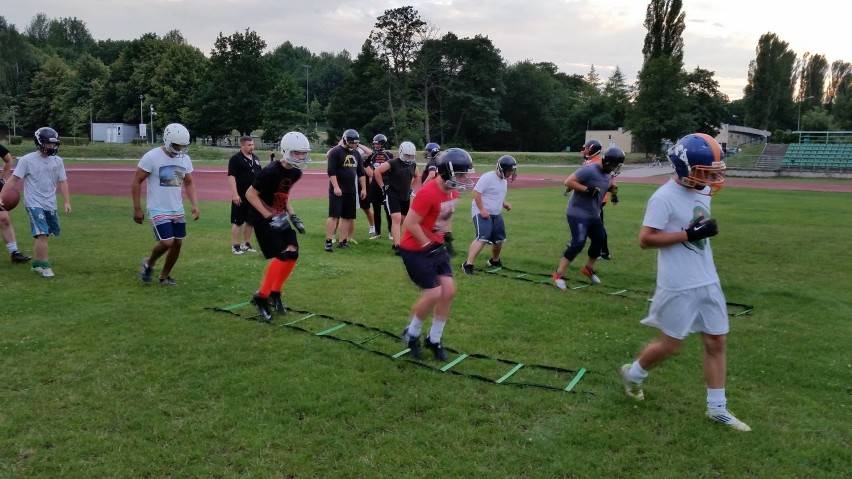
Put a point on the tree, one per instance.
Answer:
(841, 73)
(617, 98)
(708, 105)
(84, 91)
(18, 63)
(44, 104)
(533, 109)
(768, 96)
(360, 103)
(284, 110)
(665, 23)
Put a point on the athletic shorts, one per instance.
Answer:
(43, 222)
(490, 230)
(169, 228)
(272, 242)
(424, 269)
(395, 205)
(240, 213)
(342, 206)
(680, 313)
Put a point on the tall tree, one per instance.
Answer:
(768, 96)
(360, 103)
(617, 97)
(708, 105)
(841, 73)
(44, 104)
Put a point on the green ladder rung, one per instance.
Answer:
(581, 286)
(300, 319)
(619, 292)
(370, 338)
(235, 306)
(576, 379)
(331, 330)
(510, 373)
(401, 353)
(452, 363)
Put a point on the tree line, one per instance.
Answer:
(408, 81)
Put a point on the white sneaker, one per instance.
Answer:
(375, 237)
(591, 274)
(558, 281)
(44, 271)
(725, 417)
(631, 388)
(372, 231)
(390, 236)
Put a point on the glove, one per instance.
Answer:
(385, 188)
(614, 199)
(280, 222)
(613, 189)
(448, 243)
(592, 192)
(702, 228)
(297, 223)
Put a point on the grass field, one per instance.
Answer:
(102, 377)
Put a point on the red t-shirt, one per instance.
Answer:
(436, 207)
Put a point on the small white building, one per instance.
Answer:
(114, 132)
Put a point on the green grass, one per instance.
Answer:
(102, 377)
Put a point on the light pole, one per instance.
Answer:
(141, 119)
(799, 116)
(307, 96)
(153, 114)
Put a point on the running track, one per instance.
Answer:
(212, 184)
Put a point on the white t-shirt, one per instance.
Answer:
(40, 175)
(493, 191)
(164, 199)
(684, 265)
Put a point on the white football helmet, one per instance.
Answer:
(176, 134)
(407, 152)
(295, 141)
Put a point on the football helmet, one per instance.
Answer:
(591, 148)
(454, 166)
(176, 134)
(351, 136)
(295, 141)
(612, 159)
(380, 142)
(699, 163)
(431, 150)
(407, 152)
(507, 168)
(45, 135)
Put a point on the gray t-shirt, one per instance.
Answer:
(40, 175)
(164, 199)
(581, 205)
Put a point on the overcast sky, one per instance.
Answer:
(720, 36)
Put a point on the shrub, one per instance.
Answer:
(15, 140)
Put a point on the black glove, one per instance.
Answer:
(385, 188)
(613, 189)
(280, 222)
(593, 192)
(614, 199)
(448, 243)
(297, 223)
(702, 228)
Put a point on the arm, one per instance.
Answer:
(235, 197)
(189, 183)
(254, 199)
(66, 196)
(573, 183)
(377, 175)
(654, 238)
(136, 193)
(477, 198)
(412, 225)
(7, 166)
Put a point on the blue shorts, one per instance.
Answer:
(490, 230)
(169, 229)
(43, 222)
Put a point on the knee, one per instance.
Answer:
(448, 292)
(288, 255)
(715, 344)
(4, 220)
(168, 243)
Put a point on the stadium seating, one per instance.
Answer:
(818, 156)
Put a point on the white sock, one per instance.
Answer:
(716, 400)
(437, 330)
(415, 326)
(636, 373)
(12, 247)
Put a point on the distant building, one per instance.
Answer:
(730, 137)
(114, 132)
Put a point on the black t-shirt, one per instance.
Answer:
(374, 161)
(399, 178)
(273, 185)
(244, 170)
(3, 151)
(346, 165)
(431, 165)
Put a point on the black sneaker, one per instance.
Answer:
(343, 244)
(18, 257)
(277, 304)
(468, 269)
(145, 271)
(436, 348)
(412, 342)
(329, 246)
(167, 281)
(604, 256)
(395, 249)
(262, 306)
(495, 263)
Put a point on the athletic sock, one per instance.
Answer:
(415, 326)
(716, 401)
(437, 329)
(273, 272)
(283, 274)
(636, 372)
(40, 264)
(12, 247)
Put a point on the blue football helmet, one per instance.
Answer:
(454, 166)
(430, 150)
(698, 161)
(612, 159)
(507, 168)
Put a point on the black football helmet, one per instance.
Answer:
(454, 166)
(45, 135)
(431, 150)
(380, 142)
(351, 136)
(507, 168)
(591, 148)
(612, 160)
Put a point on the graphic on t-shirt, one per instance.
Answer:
(349, 162)
(172, 175)
(279, 200)
(444, 215)
(698, 213)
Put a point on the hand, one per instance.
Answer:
(507, 206)
(702, 228)
(195, 214)
(297, 223)
(613, 189)
(338, 192)
(235, 199)
(280, 222)
(448, 243)
(433, 248)
(614, 199)
(484, 214)
(138, 216)
(385, 189)
(592, 192)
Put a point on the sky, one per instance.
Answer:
(720, 35)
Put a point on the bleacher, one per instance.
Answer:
(829, 153)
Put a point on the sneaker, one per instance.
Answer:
(167, 281)
(590, 273)
(495, 263)
(44, 271)
(412, 342)
(277, 304)
(145, 271)
(352, 240)
(375, 236)
(395, 249)
(343, 244)
(236, 249)
(631, 388)
(727, 418)
(329, 246)
(18, 257)
(468, 268)
(436, 348)
(247, 247)
(372, 231)
(558, 281)
(604, 256)
(390, 236)
(262, 306)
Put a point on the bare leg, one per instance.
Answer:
(659, 350)
(715, 362)
(171, 257)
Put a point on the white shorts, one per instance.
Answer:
(679, 313)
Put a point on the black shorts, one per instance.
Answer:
(424, 269)
(240, 214)
(395, 205)
(271, 241)
(342, 206)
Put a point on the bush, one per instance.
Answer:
(15, 140)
